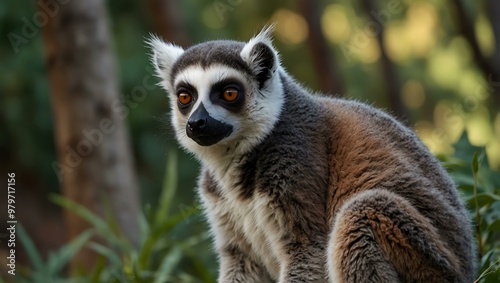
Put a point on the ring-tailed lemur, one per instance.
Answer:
(305, 188)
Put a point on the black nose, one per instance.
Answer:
(199, 120)
(197, 123)
(204, 129)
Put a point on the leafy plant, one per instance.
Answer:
(53, 267)
(480, 187)
(159, 256)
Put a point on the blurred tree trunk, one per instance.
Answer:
(392, 81)
(324, 63)
(493, 12)
(95, 164)
(490, 67)
(167, 21)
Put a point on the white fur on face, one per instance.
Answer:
(203, 80)
(250, 125)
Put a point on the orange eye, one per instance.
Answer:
(185, 98)
(230, 94)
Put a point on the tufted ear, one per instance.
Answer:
(260, 56)
(163, 57)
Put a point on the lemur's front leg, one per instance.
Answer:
(303, 240)
(236, 266)
(379, 236)
(305, 263)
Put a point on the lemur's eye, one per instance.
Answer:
(230, 94)
(185, 98)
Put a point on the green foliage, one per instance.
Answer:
(52, 268)
(480, 188)
(158, 257)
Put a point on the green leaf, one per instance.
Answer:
(169, 188)
(97, 272)
(464, 180)
(160, 231)
(188, 278)
(30, 248)
(451, 161)
(144, 229)
(485, 260)
(494, 226)
(66, 253)
(98, 223)
(110, 254)
(482, 199)
(491, 274)
(475, 163)
(202, 271)
(168, 264)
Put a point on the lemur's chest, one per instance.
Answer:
(253, 224)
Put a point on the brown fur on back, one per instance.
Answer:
(372, 150)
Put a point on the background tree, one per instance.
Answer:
(95, 164)
(167, 21)
(391, 78)
(325, 66)
(489, 65)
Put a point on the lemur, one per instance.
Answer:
(301, 187)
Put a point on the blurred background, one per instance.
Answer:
(86, 131)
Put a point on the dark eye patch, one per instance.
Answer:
(217, 91)
(184, 86)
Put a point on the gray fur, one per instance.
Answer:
(213, 52)
(332, 191)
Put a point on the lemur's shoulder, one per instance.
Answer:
(352, 112)
(352, 120)
(336, 113)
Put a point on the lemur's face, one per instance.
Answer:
(212, 103)
(224, 94)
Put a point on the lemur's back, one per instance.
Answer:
(372, 150)
(368, 149)
(302, 188)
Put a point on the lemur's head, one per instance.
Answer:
(224, 94)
